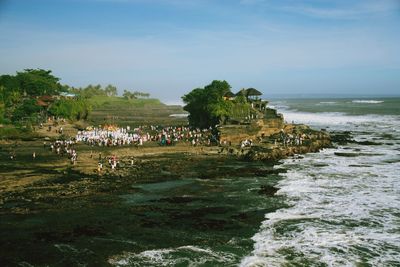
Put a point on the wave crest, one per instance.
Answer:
(367, 101)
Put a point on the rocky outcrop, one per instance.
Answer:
(280, 152)
(257, 128)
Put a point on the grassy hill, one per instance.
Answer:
(133, 112)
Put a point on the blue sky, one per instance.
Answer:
(169, 47)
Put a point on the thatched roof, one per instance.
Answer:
(241, 92)
(249, 92)
(252, 92)
(229, 94)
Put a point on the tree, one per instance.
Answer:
(206, 106)
(128, 95)
(2, 112)
(74, 109)
(27, 109)
(110, 90)
(21, 96)
(138, 94)
(37, 82)
(10, 92)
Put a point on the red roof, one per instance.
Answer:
(41, 103)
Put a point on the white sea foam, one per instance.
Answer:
(339, 215)
(188, 256)
(367, 101)
(339, 120)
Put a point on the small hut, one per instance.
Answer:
(252, 94)
(44, 101)
(229, 96)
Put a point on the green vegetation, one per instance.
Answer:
(129, 95)
(133, 112)
(207, 106)
(32, 95)
(73, 109)
(26, 108)
(19, 93)
(17, 133)
(94, 90)
(120, 102)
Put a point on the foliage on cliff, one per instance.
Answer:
(206, 106)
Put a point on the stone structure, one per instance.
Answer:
(266, 123)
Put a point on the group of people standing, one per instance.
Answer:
(138, 136)
(64, 147)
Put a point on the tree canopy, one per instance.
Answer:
(206, 106)
(36, 82)
(18, 93)
(128, 95)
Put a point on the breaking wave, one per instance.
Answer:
(367, 101)
(181, 256)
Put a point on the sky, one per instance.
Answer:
(169, 47)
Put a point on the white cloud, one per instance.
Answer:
(346, 10)
(335, 9)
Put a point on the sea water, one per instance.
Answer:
(344, 202)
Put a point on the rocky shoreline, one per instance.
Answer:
(51, 209)
(134, 160)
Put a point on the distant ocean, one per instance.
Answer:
(344, 202)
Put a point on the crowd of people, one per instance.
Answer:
(64, 147)
(165, 136)
(108, 137)
(298, 138)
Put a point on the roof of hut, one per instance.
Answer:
(252, 92)
(249, 92)
(241, 92)
(41, 103)
(229, 94)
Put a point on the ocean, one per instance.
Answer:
(344, 202)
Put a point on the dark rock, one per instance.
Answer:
(359, 165)
(268, 190)
(345, 154)
(368, 143)
(320, 165)
(342, 138)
